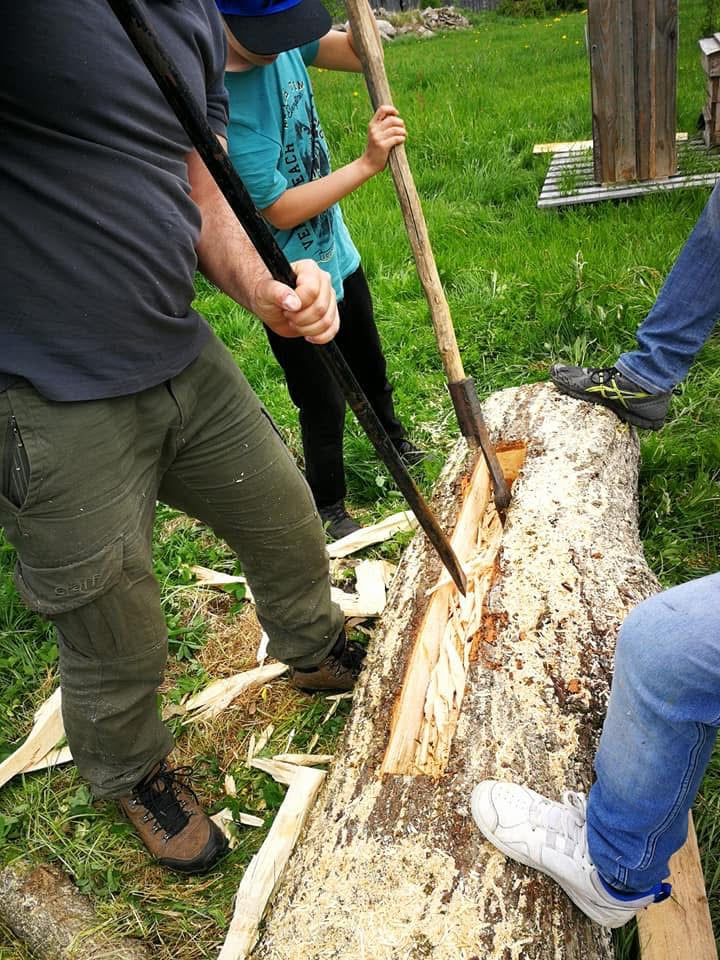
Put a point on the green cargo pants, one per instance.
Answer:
(78, 488)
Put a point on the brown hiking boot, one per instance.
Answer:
(338, 671)
(166, 813)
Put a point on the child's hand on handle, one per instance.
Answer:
(385, 131)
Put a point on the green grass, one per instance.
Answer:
(525, 287)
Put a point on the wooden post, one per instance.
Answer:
(633, 72)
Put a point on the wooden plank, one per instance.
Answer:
(626, 167)
(645, 102)
(681, 926)
(580, 145)
(602, 74)
(665, 45)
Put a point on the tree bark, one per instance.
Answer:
(55, 921)
(392, 867)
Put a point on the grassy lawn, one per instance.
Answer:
(525, 287)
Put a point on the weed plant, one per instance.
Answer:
(525, 287)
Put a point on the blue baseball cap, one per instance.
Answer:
(273, 26)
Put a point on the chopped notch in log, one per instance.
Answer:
(426, 712)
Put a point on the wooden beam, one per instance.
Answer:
(681, 926)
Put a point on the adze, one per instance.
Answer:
(367, 42)
(131, 15)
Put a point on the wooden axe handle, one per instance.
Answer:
(368, 45)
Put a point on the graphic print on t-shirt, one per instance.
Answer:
(305, 158)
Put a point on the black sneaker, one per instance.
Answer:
(338, 671)
(337, 521)
(410, 455)
(607, 386)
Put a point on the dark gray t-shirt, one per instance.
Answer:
(97, 229)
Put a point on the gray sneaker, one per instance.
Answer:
(607, 386)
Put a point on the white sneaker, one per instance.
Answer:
(552, 837)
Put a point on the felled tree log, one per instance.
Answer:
(391, 866)
(55, 921)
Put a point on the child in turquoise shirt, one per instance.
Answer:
(278, 147)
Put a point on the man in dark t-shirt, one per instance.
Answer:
(114, 392)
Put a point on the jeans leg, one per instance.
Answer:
(685, 312)
(81, 528)
(658, 735)
(233, 471)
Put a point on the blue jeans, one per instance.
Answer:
(659, 732)
(685, 312)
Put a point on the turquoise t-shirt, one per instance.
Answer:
(275, 142)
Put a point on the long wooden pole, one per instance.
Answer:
(367, 43)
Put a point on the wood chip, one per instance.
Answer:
(264, 871)
(375, 533)
(46, 732)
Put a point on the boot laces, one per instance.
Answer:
(564, 824)
(351, 658)
(603, 374)
(161, 795)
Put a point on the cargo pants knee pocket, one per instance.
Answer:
(113, 649)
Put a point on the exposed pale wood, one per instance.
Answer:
(391, 866)
(370, 585)
(304, 759)
(225, 818)
(402, 522)
(34, 754)
(511, 457)
(264, 871)
(580, 145)
(367, 43)
(47, 730)
(351, 604)
(680, 927)
(54, 758)
(426, 711)
(219, 694)
(55, 921)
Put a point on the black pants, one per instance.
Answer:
(319, 399)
